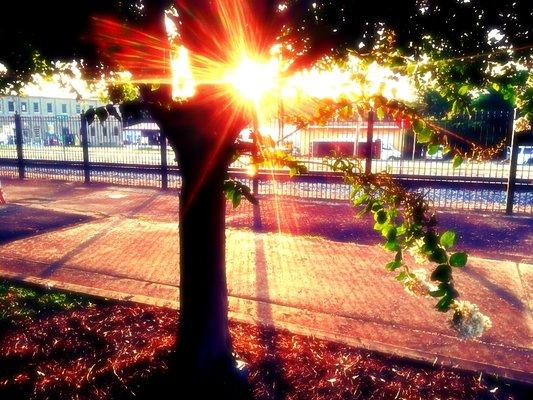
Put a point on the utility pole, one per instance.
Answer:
(511, 179)
(369, 141)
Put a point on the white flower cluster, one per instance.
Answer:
(416, 251)
(522, 124)
(468, 321)
(417, 284)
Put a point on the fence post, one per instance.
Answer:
(19, 143)
(255, 180)
(369, 142)
(511, 179)
(85, 148)
(164, 163)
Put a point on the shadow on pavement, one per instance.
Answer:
(491, 236)
(495, 236)
(271, 365)
(499, 291)
(17, 221)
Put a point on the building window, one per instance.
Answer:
(25, 132)
(63, 108)
(23, 107)
(115, 131)
(78, 109)
(37, 131)
(11, 106)
(93, 131)
(104, 130)
(36, 107)
(49, 108)
(1, 105)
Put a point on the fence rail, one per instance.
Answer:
(67, 148)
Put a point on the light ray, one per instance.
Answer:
(224, 46)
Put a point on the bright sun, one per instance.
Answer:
(253, 79)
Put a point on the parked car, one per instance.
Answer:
(51, 140)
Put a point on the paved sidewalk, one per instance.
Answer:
(318, 271)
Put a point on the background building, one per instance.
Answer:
(48, 121)
(44, 106)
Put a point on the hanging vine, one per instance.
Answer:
(403, 218)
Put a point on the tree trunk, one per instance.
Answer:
(204, 353)
(203, 336)
(202, 133)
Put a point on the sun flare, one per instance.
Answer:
(227, 49)
(254, 79)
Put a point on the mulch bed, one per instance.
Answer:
(112, 350)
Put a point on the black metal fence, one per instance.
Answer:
(67, 148)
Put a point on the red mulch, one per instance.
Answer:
(113, 350)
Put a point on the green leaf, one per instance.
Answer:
(457, 160)
(442, 273)
(111, 109)
(458, 259)
(438, 255)
(376, 206)
(361, 199)
(393, 265)
(425, 136)
(433, 149)
(430, 239)
(391, 245)
(463, 90)
(401, 230)
(437, 293)
(399, 256)
(229, 193)
(401, 276)
(444, 303)
(496, 87)
(380, 113)
(354, 191)
(235, 190)
(89, 116)
(101, 113)
(447, 239)
(456, 107)
(380, 217)
(418, 125)
(236, 199)
(389, 232)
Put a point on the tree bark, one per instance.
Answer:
(204, 351)
(203, 335)
(204, 360)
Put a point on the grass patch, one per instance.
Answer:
(25, 302)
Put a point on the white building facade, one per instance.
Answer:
(44, 106)
(54, 121)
